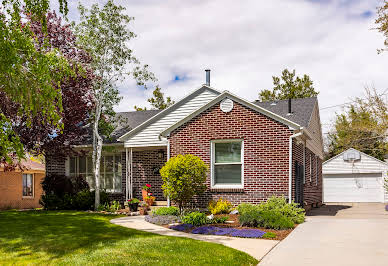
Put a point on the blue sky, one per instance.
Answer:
(245, 43)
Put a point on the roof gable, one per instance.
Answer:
(362, 154)
(167, 111)
(235, 98)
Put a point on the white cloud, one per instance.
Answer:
(245, 43)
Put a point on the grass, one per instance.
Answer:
(68, 237)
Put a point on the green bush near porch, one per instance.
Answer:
(80, 238)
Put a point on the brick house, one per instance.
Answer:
(253, 149)
(21, 189)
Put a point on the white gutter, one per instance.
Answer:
(290, 165)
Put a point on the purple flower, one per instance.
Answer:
(386, 208)
(181, 227)
(222, 231)
(204, 230)
(250, 233)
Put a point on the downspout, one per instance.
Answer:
(290, 165)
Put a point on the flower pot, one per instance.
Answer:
(144, 193)
(133, 207)
(149, 202)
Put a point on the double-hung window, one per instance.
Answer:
(28, 185)
(227, 164)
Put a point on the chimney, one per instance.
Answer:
(207, 77)
(289, 107)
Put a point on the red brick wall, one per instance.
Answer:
(266, 146)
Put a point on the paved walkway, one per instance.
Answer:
(257, 248)
(338, 234)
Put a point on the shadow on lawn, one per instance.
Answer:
(59, 233)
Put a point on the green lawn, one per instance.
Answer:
(67, 237)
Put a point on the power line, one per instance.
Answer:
(342, 104)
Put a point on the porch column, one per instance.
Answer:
(168, 158)
(131, 179)
(126, 175)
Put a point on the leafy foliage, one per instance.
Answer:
(287, 86)
(195, 218)
(276, 213)
(166, 211)
(110, 207)
(269, 235)
(30, 76)
(105, 35)
(183, 177)
(220, 206)
(157, 101)
(382, 23)
(362, 126)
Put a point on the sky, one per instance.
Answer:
(245, 43)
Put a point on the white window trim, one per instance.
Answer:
(212, 163)
(33, 187)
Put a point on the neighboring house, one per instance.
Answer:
(353, 176)
(21, 189)
(253, 150)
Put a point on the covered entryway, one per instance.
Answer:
(366, 187)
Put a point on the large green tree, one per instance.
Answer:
(288, 85)
(363, 126)
(104, 33)
(382, 23)
(157, 101)
(30, 75)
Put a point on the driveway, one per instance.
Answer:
(336, 234)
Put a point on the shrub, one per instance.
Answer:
(218, 220)
(269, 235)
(220, 206)
(276, 213)
(112, 207)
(166, 211)
(195, 218)
(162, 219)
(84, 200)
(183, 177)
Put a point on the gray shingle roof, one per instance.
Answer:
(301, 108)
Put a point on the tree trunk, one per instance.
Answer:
(97, 148)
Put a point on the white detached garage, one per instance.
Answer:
(353, 176)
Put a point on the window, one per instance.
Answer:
(28, 185)
(110, 171)
(227, 163)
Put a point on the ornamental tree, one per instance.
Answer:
(104, 34)
(29, 76)
(76, 94)
(183, 177)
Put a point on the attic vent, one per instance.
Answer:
(226, 105)
(351, 156)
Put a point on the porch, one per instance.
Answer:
(143, 165)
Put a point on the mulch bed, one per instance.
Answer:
(280, 234)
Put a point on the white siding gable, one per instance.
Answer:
(149, 136)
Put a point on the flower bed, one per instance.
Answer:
(220, 231)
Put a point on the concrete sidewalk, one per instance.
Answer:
(257, 248)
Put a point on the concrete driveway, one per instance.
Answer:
(336, 234)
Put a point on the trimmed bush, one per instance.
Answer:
(218, 220)
(195, 218)
(166, 211)
(220, 206)
(183, 177)
(276, 213)
(269, 235)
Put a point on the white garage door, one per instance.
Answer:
(353, 188)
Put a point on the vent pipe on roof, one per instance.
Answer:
(289, 106)
(207, 77)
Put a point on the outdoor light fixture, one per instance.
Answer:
(160, 153)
